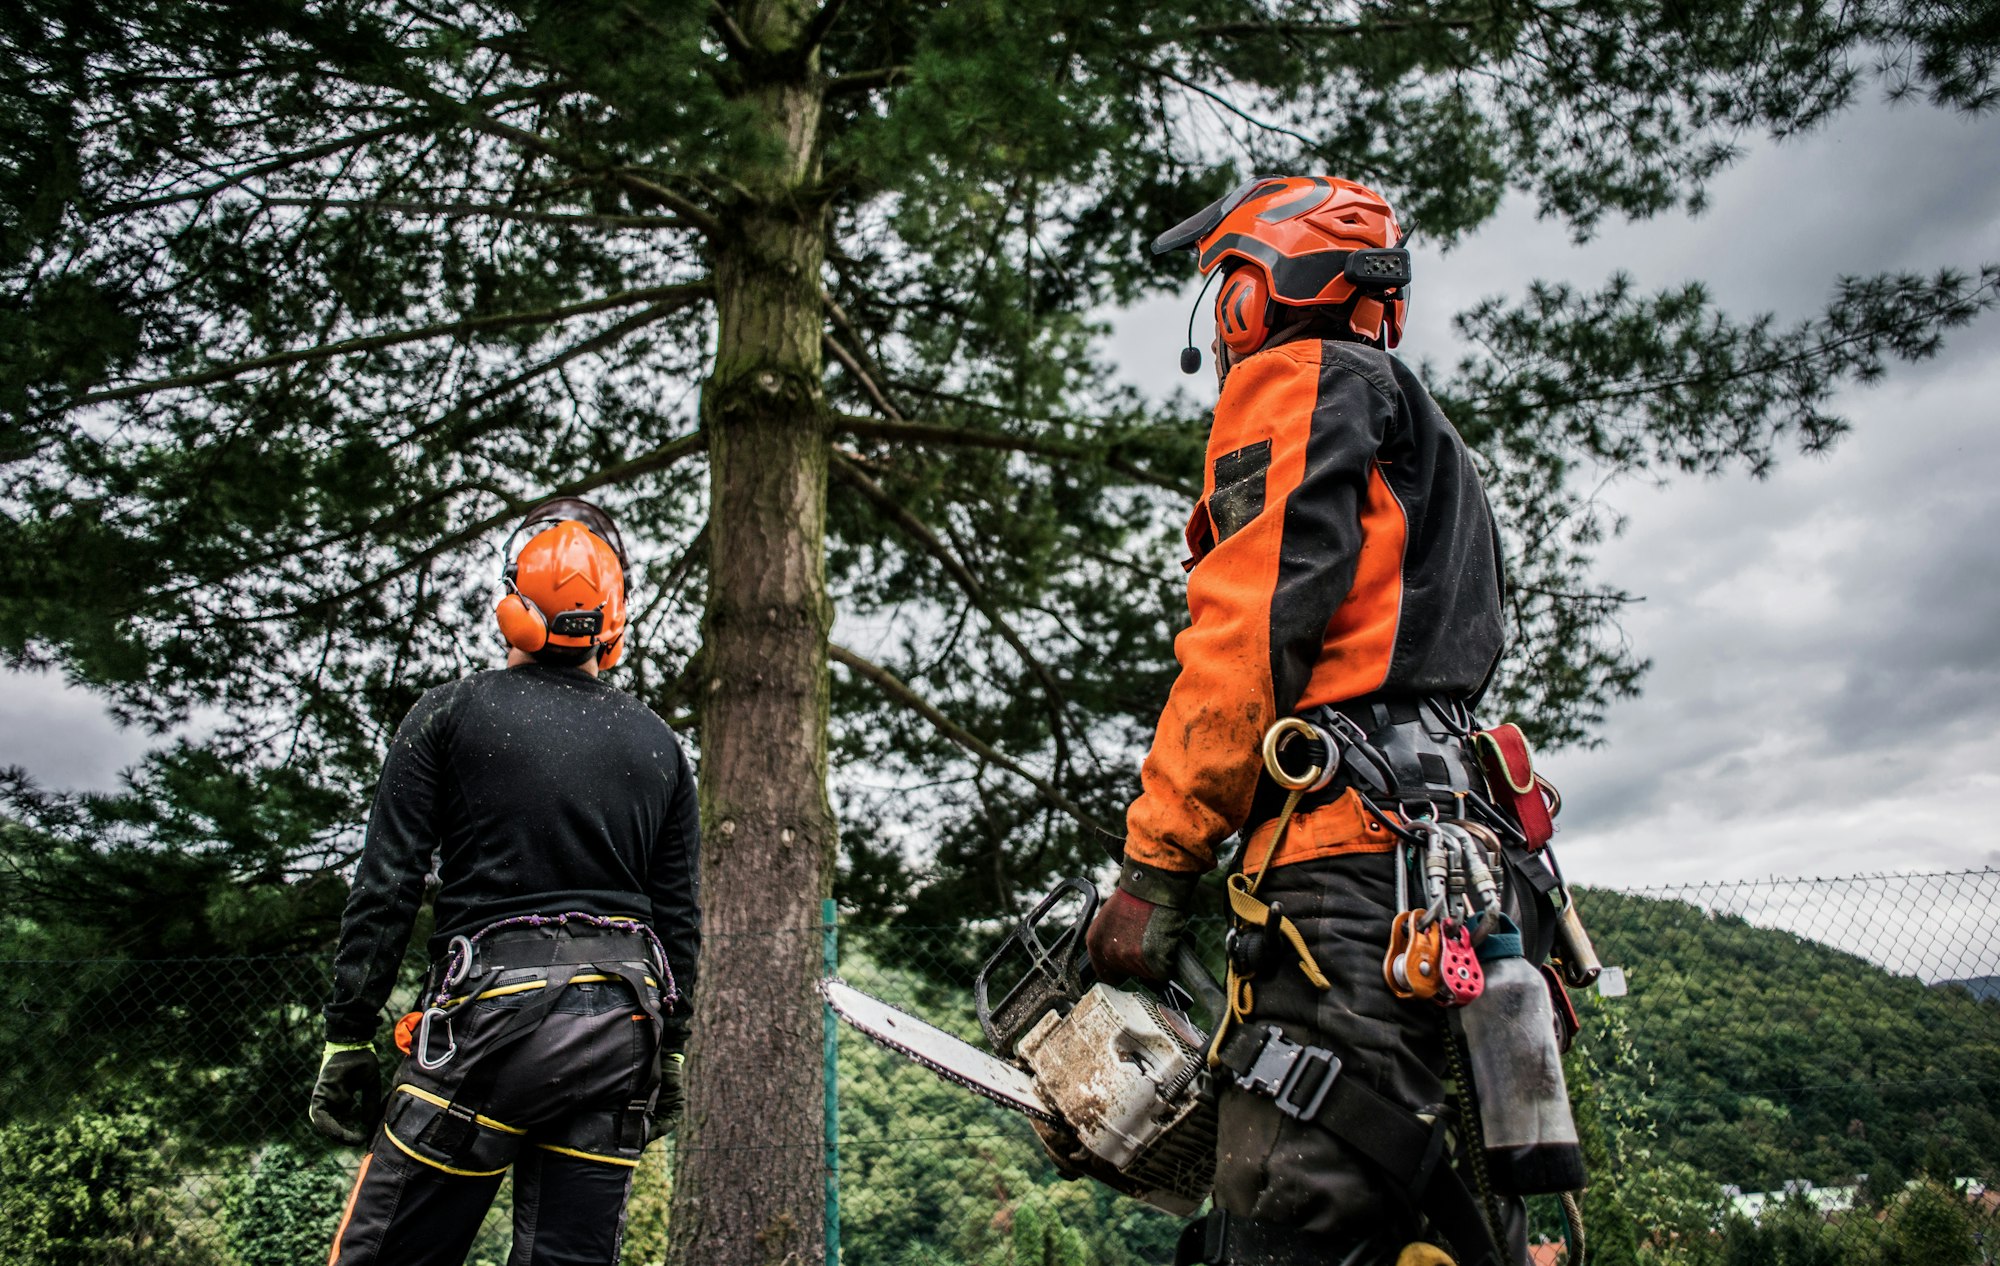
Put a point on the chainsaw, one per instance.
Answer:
(1115, 1080)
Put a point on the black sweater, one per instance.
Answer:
(542, 790)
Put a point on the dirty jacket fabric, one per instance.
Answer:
(540, 790)
(1343, 547)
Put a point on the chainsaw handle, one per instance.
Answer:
(1191, 975)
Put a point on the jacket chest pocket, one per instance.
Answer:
(1239, 489)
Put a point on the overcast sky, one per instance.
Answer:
(1825, 697)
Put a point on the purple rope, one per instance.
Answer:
(669, 992)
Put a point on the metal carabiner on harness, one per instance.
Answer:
(423, 1042)
(458, 957)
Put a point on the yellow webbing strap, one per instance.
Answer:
(1243, 905)
(1254, 912)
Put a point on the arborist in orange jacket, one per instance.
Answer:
(1344, 560)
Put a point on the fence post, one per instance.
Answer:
(829, 913)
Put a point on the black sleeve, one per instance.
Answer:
(673, 886)
(389, 883)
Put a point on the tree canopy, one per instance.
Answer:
(305, 302)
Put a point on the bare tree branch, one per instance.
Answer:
(646, 463)
(900, 431)
(890, 685)
(927, 540)
(868, 384)
(455, 210)
(822, 22)
(676, 296)
(866, 80)
(262, 169)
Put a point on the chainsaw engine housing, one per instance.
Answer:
(1128, 1077)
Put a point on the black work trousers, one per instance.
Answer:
(1289, 1173)
(557, 1111)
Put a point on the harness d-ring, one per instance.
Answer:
(1315, 776)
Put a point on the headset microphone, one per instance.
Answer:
(1191, 355)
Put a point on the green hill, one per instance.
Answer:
(1757, 1056)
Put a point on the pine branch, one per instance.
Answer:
(905, 432)
(733, 38)
(647, 463)
(888, 683)
(674, 297)
(822, 22)
(272, 167)
(868, 384)
(866, 80)
(595, 343)
(927, 540)
(454, 210)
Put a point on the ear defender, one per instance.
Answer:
(1242, 311)
(522, 622)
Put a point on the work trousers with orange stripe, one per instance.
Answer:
(557, 1112)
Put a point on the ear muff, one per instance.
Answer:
(1242, 311)
(522, 622)
(1366, 319)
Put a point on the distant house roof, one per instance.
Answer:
(1546, 1254)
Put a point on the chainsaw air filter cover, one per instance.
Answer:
(1128, 1077)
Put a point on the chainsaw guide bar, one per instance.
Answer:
(951, 1058)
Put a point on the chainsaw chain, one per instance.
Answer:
(959, 1079)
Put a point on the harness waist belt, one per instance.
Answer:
(537, 948)
(1415, 750)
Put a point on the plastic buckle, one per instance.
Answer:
(1280, 1067)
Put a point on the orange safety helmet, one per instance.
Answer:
(566, 588)
(1298, 242)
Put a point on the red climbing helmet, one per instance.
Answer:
(1299, 242)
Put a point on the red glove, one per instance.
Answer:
(1138, 930)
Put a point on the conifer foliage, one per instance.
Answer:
(304, 302)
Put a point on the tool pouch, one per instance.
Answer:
(1512, 780)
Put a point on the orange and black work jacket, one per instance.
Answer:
(1343, 547)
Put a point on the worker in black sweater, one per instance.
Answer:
(548, 1033)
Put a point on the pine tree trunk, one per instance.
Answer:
(750, 1187)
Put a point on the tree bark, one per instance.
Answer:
(750, 1188)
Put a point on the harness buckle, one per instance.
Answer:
(1281, 1067)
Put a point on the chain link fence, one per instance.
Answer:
(1802, 1072)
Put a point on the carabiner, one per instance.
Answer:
(423, 1043)
(458, 953)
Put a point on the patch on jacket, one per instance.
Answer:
(1239, 488)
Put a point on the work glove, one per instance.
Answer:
(671, 1099)
(347, 1070)
(1138, 930)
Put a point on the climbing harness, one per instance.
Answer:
(529, 961)
(462, 951)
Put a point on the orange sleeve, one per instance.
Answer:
(1289, 474)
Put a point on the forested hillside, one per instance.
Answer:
(1758, 1056)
